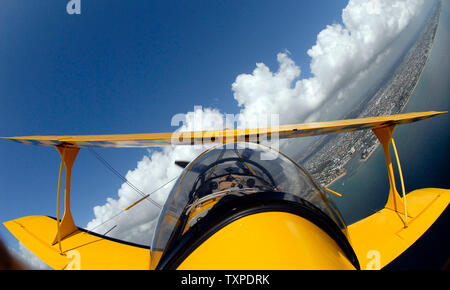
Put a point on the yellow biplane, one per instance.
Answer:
(232, 209)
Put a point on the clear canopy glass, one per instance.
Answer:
(234, 169)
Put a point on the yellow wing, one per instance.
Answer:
(80, 250)
(383, 236)
(224, 136)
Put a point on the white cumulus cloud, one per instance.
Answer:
(343, 56)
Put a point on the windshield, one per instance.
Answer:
(233, 169)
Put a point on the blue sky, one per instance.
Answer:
(128, 67)
(115, 67)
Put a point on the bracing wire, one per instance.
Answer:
(140, 192)
(104, 162)
(127, 208)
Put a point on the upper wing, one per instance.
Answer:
(224, 136)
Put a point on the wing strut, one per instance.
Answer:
(66, 226)
(394, 201)
(401, 181)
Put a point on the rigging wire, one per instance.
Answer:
(104, 222)
(140, 192)
(104, 162)
(129, 207)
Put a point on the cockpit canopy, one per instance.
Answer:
(236, 169)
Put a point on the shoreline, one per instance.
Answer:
(370, 153)
(337, 178)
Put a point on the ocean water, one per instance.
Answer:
(424, 153)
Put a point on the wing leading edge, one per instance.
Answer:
(224, 136)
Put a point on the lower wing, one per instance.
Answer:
(80, 250)
(381, 237)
